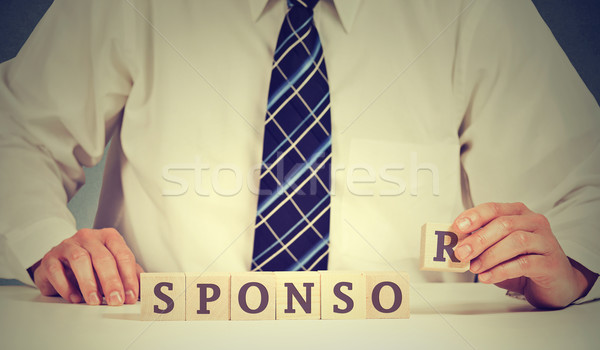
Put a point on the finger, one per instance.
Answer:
(98, 283)
(138, 272)
(474, 218)
(80, 263)
(473, 245)
(73, 281)
(516, 285)
(515, 244)
(106, 269)
(41, 281)
(55, 273)
(525, 265)
(126, 265)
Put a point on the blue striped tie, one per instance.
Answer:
(292, 222)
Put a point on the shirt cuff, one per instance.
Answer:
(589, 260)
(593, 294)
(26, 245)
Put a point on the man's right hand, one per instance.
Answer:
(89, 265)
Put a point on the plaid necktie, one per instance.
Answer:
(292, 222)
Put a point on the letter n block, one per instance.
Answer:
(387, 294)
(343, 295)
(163, 296)
(253, 296)
(298, 295)
(437, 249)
(207, 296)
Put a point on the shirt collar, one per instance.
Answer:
(346, 10)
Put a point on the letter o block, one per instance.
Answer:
(163, 296)
(437, 249)
(253, 296)
(387, 295)
(343, 295)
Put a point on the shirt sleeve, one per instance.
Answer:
(531, 130)
(60, 97)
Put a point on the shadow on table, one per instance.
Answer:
(37, 298)
(473, 309)
(10, 282)
(122, 316)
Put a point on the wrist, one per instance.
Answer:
(585, 279)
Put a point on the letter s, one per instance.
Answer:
(337, 291)
(162, 296)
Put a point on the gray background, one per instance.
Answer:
(575, 24)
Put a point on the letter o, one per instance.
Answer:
(376, 294)
(264, 298)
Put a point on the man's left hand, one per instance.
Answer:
(514, 248)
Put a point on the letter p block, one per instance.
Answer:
(207, 296)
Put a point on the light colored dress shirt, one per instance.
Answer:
(436, 106)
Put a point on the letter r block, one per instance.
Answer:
(163, 296)
(253, 296)
(207, 296)
(437, 249)
(298, 295)
(343, 295)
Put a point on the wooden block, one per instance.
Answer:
(253, 296)
(343, 295)
(163, 296)
(298, 295)
(387, 294)
(207, 296)
(437, 249)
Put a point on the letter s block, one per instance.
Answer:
(343, 295)
(437, 249)
(253, 296)
(163, 296)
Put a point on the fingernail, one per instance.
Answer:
(130, 296)
(75, 298)
(93, 298)
(484, 277)
(464, 224)
(463, 252)
(475, 265)
(115, 299)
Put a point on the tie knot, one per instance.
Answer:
(308, 4)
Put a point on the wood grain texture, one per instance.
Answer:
(162, 296)
(387, 294)
(307, 286)
(430, 241)
(253, 296)
(207, 296)
(343, 295)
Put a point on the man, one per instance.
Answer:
(436, 107)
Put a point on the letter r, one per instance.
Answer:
(449, 248)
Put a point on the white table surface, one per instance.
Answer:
(443, 316)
